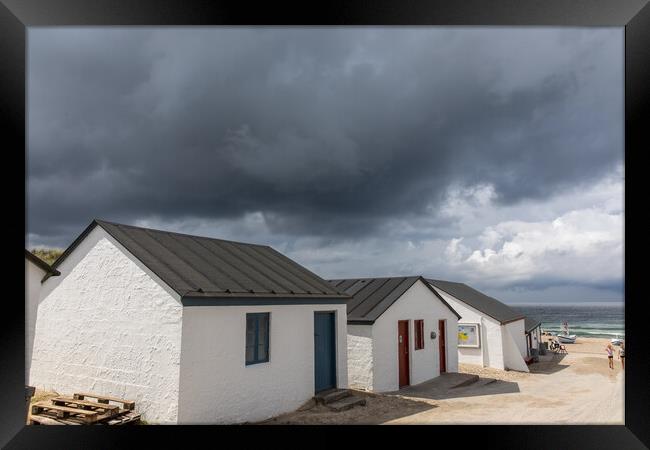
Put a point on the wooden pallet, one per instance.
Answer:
(78, 411)
(128, 418)
(126, 404)
(64, 412)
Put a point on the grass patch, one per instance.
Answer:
(49, 255)
(40, 395)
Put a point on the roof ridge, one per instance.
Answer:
(101, 221)
(329, 280)
(191, 264)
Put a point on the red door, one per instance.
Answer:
(442, 346)
(403, 352)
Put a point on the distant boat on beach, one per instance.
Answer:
(617, 340)
(564, 337)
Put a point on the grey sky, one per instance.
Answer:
(487, 155)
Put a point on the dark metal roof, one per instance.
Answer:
(477, 300)
(530, 324)
(371, 297)
(45, 267)
(202, 267)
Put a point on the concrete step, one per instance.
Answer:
(465, 380)
(483, 382)
(331, 396)
(347, 403)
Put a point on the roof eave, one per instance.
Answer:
(502, 322)
(505, 322)
(45, 267)
(360, 322)
(531, 328)
(416, 278)
(74, 244)
(429, 285)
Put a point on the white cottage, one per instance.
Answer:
(35, 270)
(400, 332)
(194, 329)
(490, 333)
(533, 335)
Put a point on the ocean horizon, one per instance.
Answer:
(568, 303)
(587, 319)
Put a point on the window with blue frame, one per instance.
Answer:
(257, 338)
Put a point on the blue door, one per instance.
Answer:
(324, 351)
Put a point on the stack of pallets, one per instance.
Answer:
(78, 410)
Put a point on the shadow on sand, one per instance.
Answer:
(482, 387)
(379, 409)
(549, 367)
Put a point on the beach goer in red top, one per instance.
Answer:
(610, 355)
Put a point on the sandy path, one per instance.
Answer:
(577, 388)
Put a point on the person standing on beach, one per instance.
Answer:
(610, 355)
(621, 355)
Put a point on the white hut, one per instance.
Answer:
(490, 333)
(193, 329)
(400, 332)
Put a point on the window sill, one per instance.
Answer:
(256, 363)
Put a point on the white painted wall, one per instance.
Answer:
(33, 277)
(360, 356)
(216, 386)
(517, 330)
(493, 350)
(490, 352)
(105, 326)
(513, 335)
(418, 302)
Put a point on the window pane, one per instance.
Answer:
(250, 330)
(261, 352)
(257, 337)
(250, 338)
(263, 337)
(250, 354)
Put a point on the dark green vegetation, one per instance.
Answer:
(49, 255)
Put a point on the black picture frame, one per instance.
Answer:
(634, 15)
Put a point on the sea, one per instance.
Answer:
(601, 320)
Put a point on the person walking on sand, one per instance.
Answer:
(610, 355)
(621, 355)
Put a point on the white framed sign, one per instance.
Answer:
(469, 335)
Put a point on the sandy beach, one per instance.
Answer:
(573, 388)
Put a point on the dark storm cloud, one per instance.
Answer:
(327, 131)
